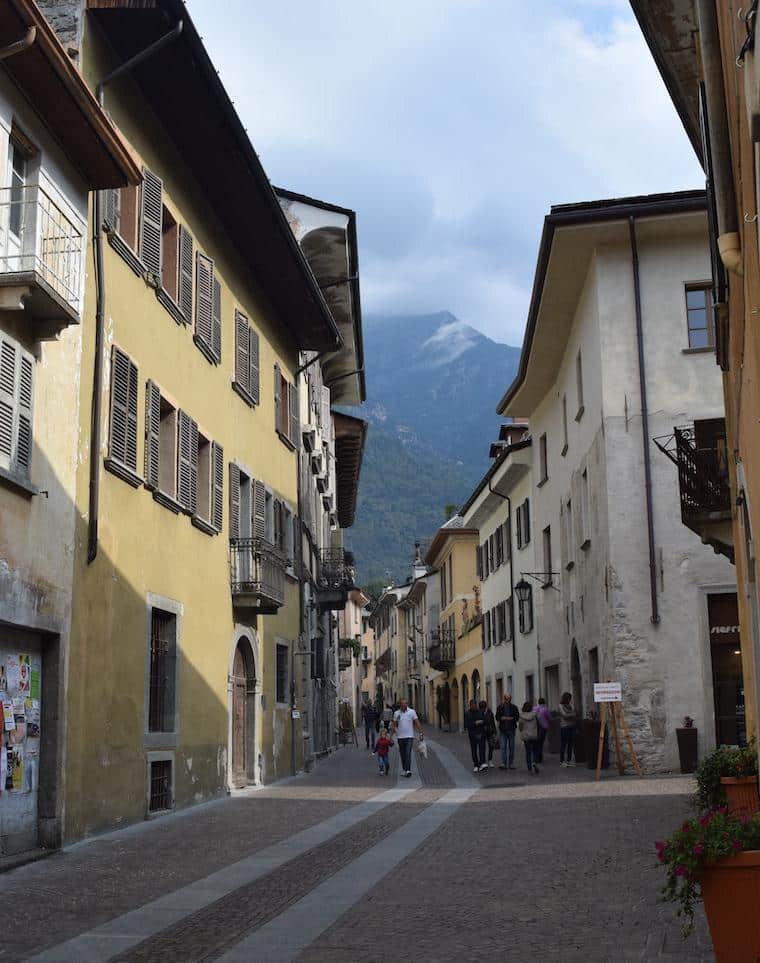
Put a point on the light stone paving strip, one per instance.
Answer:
(120, 934)
(282, 939)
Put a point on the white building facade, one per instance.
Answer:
(616, 356)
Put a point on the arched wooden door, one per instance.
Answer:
(242, 721)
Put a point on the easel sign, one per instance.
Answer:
(610, 695)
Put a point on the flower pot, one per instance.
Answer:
(687, 748)
(731, 894)
(741, 794)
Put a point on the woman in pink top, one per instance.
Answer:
(544, 717)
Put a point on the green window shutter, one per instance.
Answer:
(216, 320)
(151, 227)
(186, 272)
(25, 394)
(234, 501)
(123, 433)
(204, 296)
(295, 421)
(253, 358)
(187, 464)
(242, 351)
(109, 209)
(259, 513)
(217, 486)
(152, 434)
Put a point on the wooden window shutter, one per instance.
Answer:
(234, 501)
(204, 298)
(123, 435)
(259, 514)
(479, 561)
(8, 363)
(187, 464)
(295, 420)
(109, 209)
(253, 358)
(278, 533)
(217, 486)
(242, 352)
(186, 272)
(519, 526)
(277, 399)
(526, 521)
(152, 434)
(216, 321)
(508, 540)
(324, 412)
(151, 227)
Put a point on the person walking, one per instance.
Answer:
(567, 723)
(506, 718)
(544, 716)
(405, 721)
(382, 750)
(369, 717)
(474, 723)
(528, 726)
(489, 727)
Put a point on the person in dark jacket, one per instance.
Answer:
(474, 723)
(506, 718)
(369, 717)
(490, 730)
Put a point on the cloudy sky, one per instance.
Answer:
(450, 126)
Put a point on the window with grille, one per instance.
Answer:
(160, 785)
(16, 393)
(163, 661)
(282, 674)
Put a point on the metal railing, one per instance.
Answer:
(702, 477)
(336, 569)
(258, 569)
(36, 236)
(442, 654)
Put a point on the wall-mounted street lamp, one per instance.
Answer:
(524, 590)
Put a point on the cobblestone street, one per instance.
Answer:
(342, 864)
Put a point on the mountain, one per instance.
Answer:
(433, 383)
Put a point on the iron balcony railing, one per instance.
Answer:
(442, 654)
(37, 237)
(336, 569)
(702, 477)
(257, 570)
(345, 654)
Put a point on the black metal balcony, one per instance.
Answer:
(701, 456)
(442, 654)
(345, 654)
(336, 578)
(257, 575)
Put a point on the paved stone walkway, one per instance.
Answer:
(343, 864)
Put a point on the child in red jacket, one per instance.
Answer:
(382, 749)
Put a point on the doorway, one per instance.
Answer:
(243, 715)
(727, 678)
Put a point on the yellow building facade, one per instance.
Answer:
(455, 655)
(186, 612)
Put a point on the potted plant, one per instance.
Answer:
(716, 858)
(728, 777)
(687, 745)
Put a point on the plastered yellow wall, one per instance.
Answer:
(145, 548)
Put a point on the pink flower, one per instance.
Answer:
(687, 827)
(737, 845)
(705, 820)
(744, 819)
(681, 871)
(698, 849)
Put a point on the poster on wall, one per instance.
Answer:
(34, 685)
(3, 679)
(13, 673)
(3, 769)
(24, 674)
(32, 718)
(16, 768)
(9, 720)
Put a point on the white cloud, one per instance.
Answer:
(450, 126)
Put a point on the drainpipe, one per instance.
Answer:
(729, 241)
(18, 45)
(655, 615)
(96, 409)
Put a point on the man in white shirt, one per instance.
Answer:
(405, 721)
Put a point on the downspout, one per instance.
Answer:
(655, 615)
(96, 411)
(729, 240)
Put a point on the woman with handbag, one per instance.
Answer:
(489, 727)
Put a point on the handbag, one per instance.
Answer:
(422, 748)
